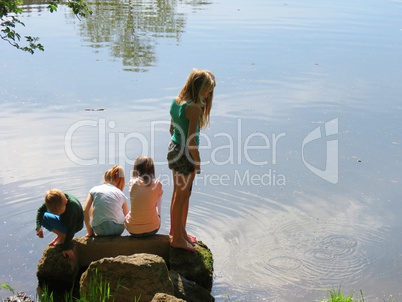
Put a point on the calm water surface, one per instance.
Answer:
(301, 183)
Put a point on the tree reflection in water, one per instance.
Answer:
(131, 28)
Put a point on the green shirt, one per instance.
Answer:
(73, 217)
(181, 124)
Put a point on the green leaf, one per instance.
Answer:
(8, 287)
(9, 10)
(52, 7)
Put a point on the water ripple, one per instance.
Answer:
(260, 243)
(285, 263)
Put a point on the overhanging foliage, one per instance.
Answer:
(9, 18)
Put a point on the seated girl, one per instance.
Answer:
(106, 205)
(146, 197)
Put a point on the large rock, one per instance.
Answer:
(195, 266)
(98, 247)
(55, 270)
(194, 269)
(136, 276)
(189, 290)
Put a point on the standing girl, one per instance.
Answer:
(189, 112)
(146, 197)
(106, 205)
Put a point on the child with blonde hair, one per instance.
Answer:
(189, 112)
(106, 205)
(62, 214)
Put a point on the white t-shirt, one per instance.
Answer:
(108, 203)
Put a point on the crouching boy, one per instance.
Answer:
(61, 214)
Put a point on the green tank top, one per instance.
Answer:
(181, 123)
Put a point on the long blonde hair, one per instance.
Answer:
(197, 82)
(115, 175)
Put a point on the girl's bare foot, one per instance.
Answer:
(193, 239)
(190, 239)
(183, 244)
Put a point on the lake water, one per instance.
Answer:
(301, 184)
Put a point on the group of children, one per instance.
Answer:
(106, 211)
